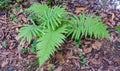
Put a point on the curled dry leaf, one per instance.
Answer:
(21, 10)
(112, 22)
(113, 16)
(87, 50)
(24, 19)
(12, 45)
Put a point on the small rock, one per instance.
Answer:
(83, 3)
(11, 69)
(1, 13)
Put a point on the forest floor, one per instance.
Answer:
(92, 55)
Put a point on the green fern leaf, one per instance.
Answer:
(37, 9)
(50, 17)
(27, 32)
(48, 43)
(87, 26)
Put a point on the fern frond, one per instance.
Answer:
(50, 17)
(54, 17)
(48, 43)
(37, 9)
(27, 32)
(76, 26)
(87, 26)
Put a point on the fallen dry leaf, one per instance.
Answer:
(62, 62)
(69, 54)
(108, 23)
(24, 19)
(14, 11)
(96, 45)
(21, 10)
(87, 50)
(50, 65)
(103, 14)
(95, 61)
(59, 56)
(58, 69)
(112, 22)
(0, 46)
(12, 45)
(113, 16)
(4, 63)
(80, 9)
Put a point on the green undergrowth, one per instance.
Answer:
(4, 3)
(50, 27)
(118, 29)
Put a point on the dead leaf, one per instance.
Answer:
(58, 69)
(0, 46)
(12, 45)
(112, 22)
(62, 62)
(1, 34)
(4, 63)
(80, 9)
(108, 23)
(95, 61)
(59, 56)
(103, 14)
(50, 65)
(21, 10)
(14, 11)
(24, 19)
(96, 45)
(87, 50)
(113, 16)
(118, 23)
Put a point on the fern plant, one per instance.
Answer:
(82, 27)
(50, 31)
(51, 25)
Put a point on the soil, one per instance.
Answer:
(98, 54)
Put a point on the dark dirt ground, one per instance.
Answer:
(100, 54)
